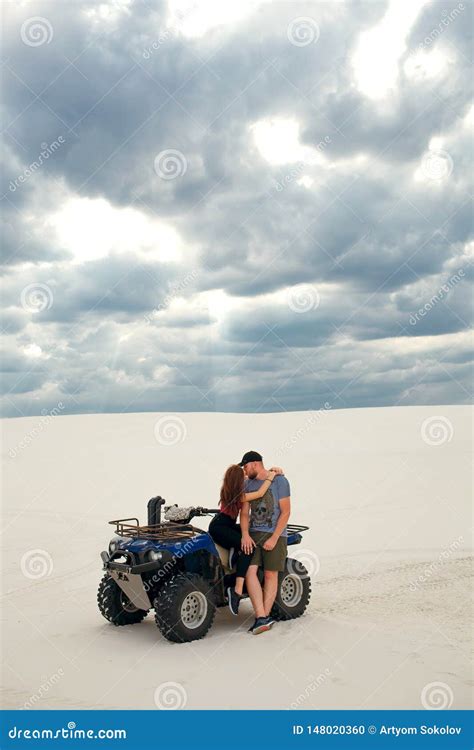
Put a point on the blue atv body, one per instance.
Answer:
(176, 569)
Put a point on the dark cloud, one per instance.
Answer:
(125, 332)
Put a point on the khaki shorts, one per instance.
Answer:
(269, 559)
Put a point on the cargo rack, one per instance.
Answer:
(293, 528)
(170, 531)
(167, 531)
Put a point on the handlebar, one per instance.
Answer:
(184, 515)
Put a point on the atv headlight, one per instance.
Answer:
(155, 556)
(113, 546)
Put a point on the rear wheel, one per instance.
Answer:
(115, 606)
(184, 608)
(294, 591)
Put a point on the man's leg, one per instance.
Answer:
(255, 591)
(270, 588)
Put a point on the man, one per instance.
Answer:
(264, 529)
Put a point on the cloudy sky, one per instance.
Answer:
(253, 206)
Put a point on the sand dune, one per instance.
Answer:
(385, 491)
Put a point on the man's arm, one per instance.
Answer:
(285, 510)
(250, 496)
(247, 542)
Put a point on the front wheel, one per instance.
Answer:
(184, 608)
(294, 591)
(115, 606)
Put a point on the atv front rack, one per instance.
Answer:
(162, 532)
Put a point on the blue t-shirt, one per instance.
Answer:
(264, 513)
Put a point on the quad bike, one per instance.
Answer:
(177, 570)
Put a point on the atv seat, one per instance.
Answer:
(224, 558)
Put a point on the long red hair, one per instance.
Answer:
(232, 489)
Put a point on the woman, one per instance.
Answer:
(225, 530)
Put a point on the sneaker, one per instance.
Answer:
(270, 621)
(261, 625)
(233, 600)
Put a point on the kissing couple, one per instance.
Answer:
(260, 500)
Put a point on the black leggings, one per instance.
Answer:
(226, 532)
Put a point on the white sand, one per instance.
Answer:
(390, 516)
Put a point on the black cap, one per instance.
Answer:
(250, 456)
